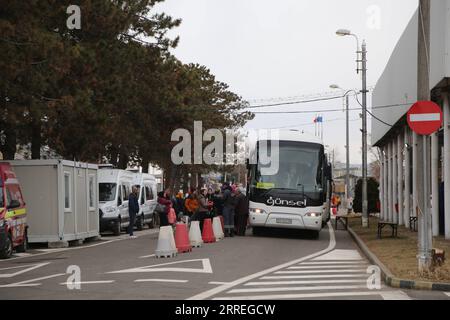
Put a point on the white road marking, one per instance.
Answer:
(424, 117)
(22, 254)
(161, 280)
(224, 287)
(30, 267)
(302, 296)
(447, 293)
(87, 282)
(149, 256)
(206, 268)
(340, 255)
(351, 262)
(50, 251)
(330, 281)
(217, 282)
(29, 283)
(320, 271)
(312, 288)
(394, 295)
(325, 267)
(322, 276)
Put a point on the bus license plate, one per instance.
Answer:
(283, 221)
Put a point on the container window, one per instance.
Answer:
(91, 192)
(67, 191)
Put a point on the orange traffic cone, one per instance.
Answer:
(182, 239)
(208, 234)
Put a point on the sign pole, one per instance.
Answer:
(424, 256)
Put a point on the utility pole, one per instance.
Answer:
(423, 94)
(365, 213)
(347, 156)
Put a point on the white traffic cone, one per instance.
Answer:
(217, 229)
(195, 235)
(166, 243)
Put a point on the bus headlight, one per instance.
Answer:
(314, 214)
(257, 211)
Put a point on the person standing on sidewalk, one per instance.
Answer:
(241, 211)
(133, 210)
(163, 214)
(202, 211)
(228, 210)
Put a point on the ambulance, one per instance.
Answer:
(13, 223)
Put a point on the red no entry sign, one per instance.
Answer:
(425, 117)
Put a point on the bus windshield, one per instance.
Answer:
(299, 167)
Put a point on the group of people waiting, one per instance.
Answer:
(230, 201)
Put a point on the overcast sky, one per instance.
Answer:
(268, 51)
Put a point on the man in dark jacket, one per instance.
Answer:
(133, 210)
(241, 211)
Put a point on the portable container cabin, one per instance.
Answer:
(62, 200)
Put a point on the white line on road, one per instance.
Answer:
(50, 251)
(22, 254)
(149, 256)
(29, 283)
(311, 288)
(325, 267)
(206, 267)
(447, 293)
(330, 281)
(161, 280)
(340, 255)
(217, 282)
(28, 267)
(320, 271)
(349, 262)
(323, 276)
(302, 296)
(394, 295)
(227, 286)
(87, 282)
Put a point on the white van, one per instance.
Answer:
(146, 183)
(114, 187)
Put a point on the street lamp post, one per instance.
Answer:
(363, 69)
(347, 141)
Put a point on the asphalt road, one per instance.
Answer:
(277, 265)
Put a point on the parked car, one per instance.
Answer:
(13, 213)
(146, 183)
(114, 188)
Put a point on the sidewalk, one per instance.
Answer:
(397, 256)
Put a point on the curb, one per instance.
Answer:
(389, 278)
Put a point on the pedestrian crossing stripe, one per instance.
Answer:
(310, 288)
(331, 281)
(302, 296)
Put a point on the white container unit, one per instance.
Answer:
(62, 200)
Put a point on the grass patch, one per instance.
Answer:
(399, 254)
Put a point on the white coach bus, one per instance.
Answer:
(297, 195)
